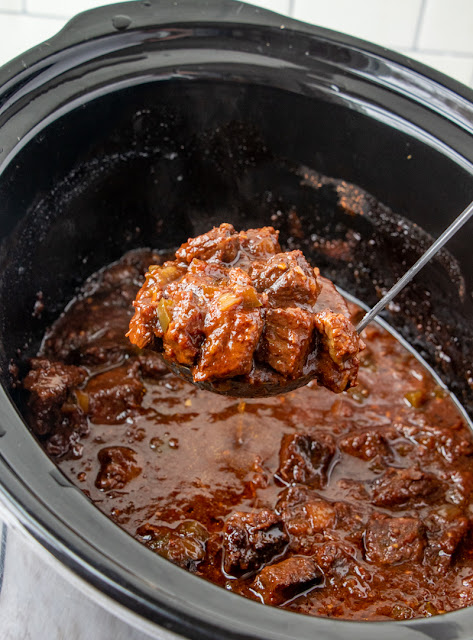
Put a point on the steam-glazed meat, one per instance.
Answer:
(393, 540)
(232, 305)
(117, 467)
(251, 539)
(340, 345)
(50, 385)
(305, 459)
(185, 545)
(400, 486)
(286, 579)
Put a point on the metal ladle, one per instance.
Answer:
(244, 389)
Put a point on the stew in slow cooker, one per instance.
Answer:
(355, 506)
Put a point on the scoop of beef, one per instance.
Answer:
(220, 244)
(287, 279)
(397, 487)
(337, 361)
(284, 580)
(50, 385)
(117, 468)
(305, 458)
(391, 541)
(230, 306)
(251, 539)
(286, 340)
(151, 365)
(185, 545)
(113, 395)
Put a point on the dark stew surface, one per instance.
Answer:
(355, 505)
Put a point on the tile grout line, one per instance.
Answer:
(44, 16)
(420, 20)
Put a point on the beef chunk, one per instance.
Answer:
(431, 440)
(446, 527)
(286, 278)
(397, 487)
(333, 556)
(365, 445)
(287, 340)
(185, 545)
(50, 385)
(305, 459)
(185, 333)
(309, 518)
(260, 243)
(114, 395)
(251, 539)
(393, 540)
(231, 339)
(284, 580)
(338, 361)
(220, 244)
(117, 467)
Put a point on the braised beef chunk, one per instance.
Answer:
(220, 244)
(339, 346)
(287, 279)
(251, 539)
(114, 395)
(311, 517)
(305, 459)
(229, 345)
(185, 545)
(286, 579)
(397, 487)
(185, 331)
(432, 439)
(232, 305)
(366, 445)
(260, 243)
(287, 340)
(393, 540)
(50, 385)
(118, 467)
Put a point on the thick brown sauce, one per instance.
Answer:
(201, 457)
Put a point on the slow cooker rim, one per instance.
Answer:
(26, 512)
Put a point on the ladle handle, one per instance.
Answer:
(421, 262)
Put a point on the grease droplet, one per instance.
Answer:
(121, 22)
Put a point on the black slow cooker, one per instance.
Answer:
(143, 123)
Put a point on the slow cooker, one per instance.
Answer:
(141, 124)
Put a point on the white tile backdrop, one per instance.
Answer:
(438, 33)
